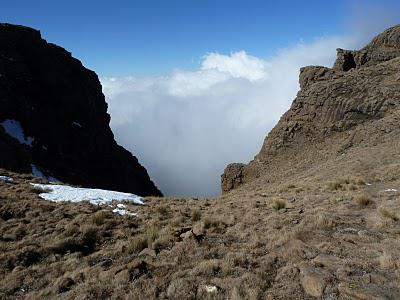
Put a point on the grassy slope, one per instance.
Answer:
(334, 237)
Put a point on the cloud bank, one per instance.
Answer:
(187, 126)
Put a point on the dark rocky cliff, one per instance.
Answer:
(362, 86)
(60, 104)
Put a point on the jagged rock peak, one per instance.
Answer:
(383, 47)
(363, 85)
(58, 105)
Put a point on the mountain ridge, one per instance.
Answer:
(59, 104)
(360, 86)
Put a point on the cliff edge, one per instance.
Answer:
(54, 118)
(361, 86)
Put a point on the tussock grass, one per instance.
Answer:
(162, 210)
(347, 183)
(142, 240)
(213, 223)
(386, 261)
(71, 229)
(196, 215)
(324, 222)
(99, 218)
(137, 243)
(386, 213)
(209, 267)
(286, 188)
(363, 200)
(278, 204)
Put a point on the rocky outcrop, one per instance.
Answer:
(232, 177)
(59, 104)
(363, 85)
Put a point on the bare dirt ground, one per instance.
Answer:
(320, 227)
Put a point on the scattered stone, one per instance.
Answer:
(180, 231)
(122, 276)
(198, 229)
(211, 289)
(105, 262)
(313, 281)
(187, 234)
(9, 237)
(350, 290)
(327, 261)
(65, 284)
(348, 230)
(6, 179)
(148, 252)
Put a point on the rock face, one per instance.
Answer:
(232, 177)
(60, 104)
(363, 85)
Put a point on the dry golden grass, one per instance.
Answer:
(323, 221)
(387, 213)
(141, 241)
(99, 218)
(278, 204)
(137, 243)
(236, 243)
(347, 183)
(162, 210)
(287, 188)
(386, 261)
(209, 267)
(363, 200)
(196, 215)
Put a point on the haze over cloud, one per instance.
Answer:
(187, 126)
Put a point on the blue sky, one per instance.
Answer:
(155, 37)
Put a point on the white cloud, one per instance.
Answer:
(185, 84)
(186, 127)
(237, 65)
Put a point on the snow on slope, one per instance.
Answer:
(122, 210)
(14, 129)
(61, 193)
(6, 179)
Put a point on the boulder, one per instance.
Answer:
(232, 177)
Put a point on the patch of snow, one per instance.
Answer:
(36, 172)
(210, 288)
(390, 190)
(77, 124)
(123, 212)
(14, 129)
(61, 193)
(6, 179)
